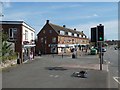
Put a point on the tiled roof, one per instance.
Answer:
(57, 28)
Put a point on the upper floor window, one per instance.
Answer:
(62, 32)
(69, 33)
(75, 35)
(54, 39)
(13, 33)
(41, 39)
(50, 31)
(44, 31)
(26, 35)
(83, 36)
(80, 36)
(31, 36)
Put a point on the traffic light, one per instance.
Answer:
(100, 30)
(93, 34)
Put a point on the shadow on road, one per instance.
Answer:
(55, 68)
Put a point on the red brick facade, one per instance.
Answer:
(20, 26)
(45, 39)
(18, 41)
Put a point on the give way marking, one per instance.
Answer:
(117, 79)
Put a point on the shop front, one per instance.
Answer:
(28, 52)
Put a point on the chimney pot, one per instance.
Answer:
(75, 29)
(64, 26)
(47, 21)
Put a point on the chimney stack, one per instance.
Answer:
(47, 21)
(75, 29)
(64, 26)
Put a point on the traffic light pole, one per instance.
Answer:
(100, 55)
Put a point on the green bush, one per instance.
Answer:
(9, 57)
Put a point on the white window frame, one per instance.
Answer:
(62, 32)
(69, 33)
(26, 35)
(75, 35)
(80, 35)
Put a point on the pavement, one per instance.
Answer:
(36, 73)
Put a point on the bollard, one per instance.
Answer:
(18, 61)
(73, 55)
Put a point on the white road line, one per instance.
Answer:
(107, 69)
(116, 79)
(109, 62)
(56, 76)
(107, 65)
(51, 75)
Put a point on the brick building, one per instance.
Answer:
(54, 39)
(22, 35)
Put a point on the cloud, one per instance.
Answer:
(7, 4)
(65, 6)
(95, 15)
(110, 28)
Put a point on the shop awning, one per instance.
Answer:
(28, 46)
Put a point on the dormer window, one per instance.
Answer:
(75, 35)
(69, 33)
(62, 32)
(80, 36)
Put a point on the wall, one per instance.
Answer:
(29, 34)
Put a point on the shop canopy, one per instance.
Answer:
(28, 46)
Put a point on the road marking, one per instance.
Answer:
(54, 76)
(107, 65)
(109, 62)
(51, 75)
(107, 69)
(116, 79)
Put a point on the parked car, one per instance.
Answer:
(93, 51)
(98, 49)
(104, 50)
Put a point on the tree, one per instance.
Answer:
(6, 46)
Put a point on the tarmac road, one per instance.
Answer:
(36, 73)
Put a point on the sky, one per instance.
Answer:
(79, 15)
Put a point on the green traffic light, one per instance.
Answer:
(100, 38)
